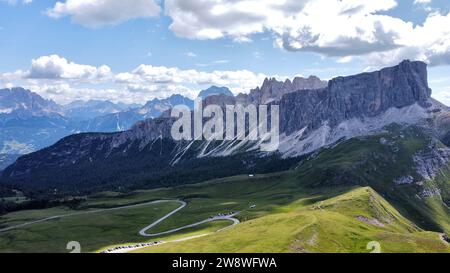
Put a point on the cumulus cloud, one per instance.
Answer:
(352, 27)
(205, 19)
(14, 2)
(98, 13)
(299, 24)
(62, 80)
(56, 67)
(64, 93)
(190, 54)
(422, 2)
(429, 42)
(239, 81)
(344, 29)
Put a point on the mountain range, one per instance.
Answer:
(29, 122)
(377, 140)
(6, 160)
(310, 120)
(85, 110)
(215, 90)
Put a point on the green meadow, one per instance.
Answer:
(340, 200)
(287, 218)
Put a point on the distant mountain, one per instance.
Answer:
(274, 90)
(85, 110)
(124, 120)
(310, 120)
(120, 121)
(379, 130)
(26, 102)
(156, 107)
(214, 90)
(6, 160)
(29, 123)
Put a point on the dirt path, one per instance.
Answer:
(85, 213)
(143, 232)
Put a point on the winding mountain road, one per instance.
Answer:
(83, 213)
(142, 232)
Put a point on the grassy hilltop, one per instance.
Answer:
(339, 200)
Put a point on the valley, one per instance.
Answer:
(292, 211)
(362, 161)
(221, 135)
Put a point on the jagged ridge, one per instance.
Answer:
(310, 119)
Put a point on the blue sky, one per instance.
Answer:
(136, 50)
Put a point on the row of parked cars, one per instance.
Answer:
(131, 247)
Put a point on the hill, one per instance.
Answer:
(147, 156)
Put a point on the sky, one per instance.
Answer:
(136, 50)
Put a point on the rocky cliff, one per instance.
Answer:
(359, 96)
(309, 119)
(273, 90)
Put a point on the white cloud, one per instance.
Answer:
(442, 95)
(56, 67)
(191, 54)
(64, 93)
(342, 29)
(344, 60)
(56, 78)
(345, 29)
(14, 2)
(151, 91)
(257, 55)
(422, 1)
(429, 42)
(213, 63)
(12, 76)
(205, 19)
(239, 81)
(352, 27)
(221, 62)
(299, 24)
(98, 13)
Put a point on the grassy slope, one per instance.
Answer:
(368, 162)
(288, 218)
(324, 226)
(312, 209)
(92, 231)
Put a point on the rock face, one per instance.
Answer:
(124, 120)
(345, 104)
(28, 122)
(273, 90)
(6, 160)
(85, 110)
(364, 95)
(214, 90)
(404, 180)
(429, 163)
(155, 107)
(21, 100)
